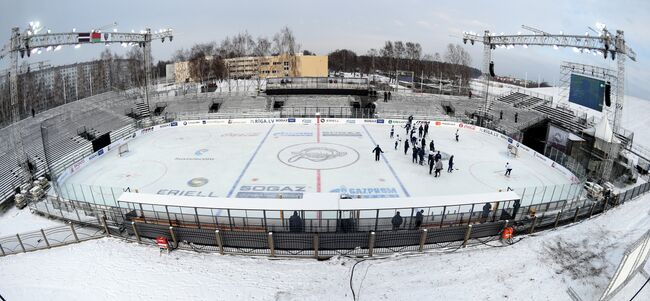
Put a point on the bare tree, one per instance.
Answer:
(262, 47)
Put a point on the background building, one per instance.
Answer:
(277, 66)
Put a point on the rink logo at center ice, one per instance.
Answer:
(318, 156)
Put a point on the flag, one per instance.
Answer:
(96, 37)
(83, 37)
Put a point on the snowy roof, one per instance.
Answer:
(316, 201)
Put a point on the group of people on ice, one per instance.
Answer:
(418, 146)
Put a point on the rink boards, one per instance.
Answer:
(272, 158)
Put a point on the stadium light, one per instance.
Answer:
(39, 52)
(74, 30)
(576, 49)
(114, 29)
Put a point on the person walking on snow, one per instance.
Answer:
(397, 142)
(377, 151)
(406, 146)
(508, 169)
(451, 164)
(456, 135)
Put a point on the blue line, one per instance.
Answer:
(388, 163)
(249, 162)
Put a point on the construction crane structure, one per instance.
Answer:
(31, 41)
(604, 43)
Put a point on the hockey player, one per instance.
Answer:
(392, 131)
(424, 143)
(432, 147)
(437, 157)
(508, 169)
(406, 146)
(431, 164)
(377, 151)
(420, 131)
(450, 168)
(456, 135)
(397, 141)
(430, 158)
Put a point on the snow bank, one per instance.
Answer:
(542, 267)
(19, 221)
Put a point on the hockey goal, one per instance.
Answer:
(123, 150)
(513, 151)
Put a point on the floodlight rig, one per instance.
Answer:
(604, 43)
(22, 43)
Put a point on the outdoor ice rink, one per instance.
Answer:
(267, 160)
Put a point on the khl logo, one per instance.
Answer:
(200, 152)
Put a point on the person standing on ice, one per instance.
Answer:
(456, 135)
(377, 151)
(421, 154)
(426, 129)
(508, 169)
(430, 157)
(396, 221)
(432, 147)
(432, 163)
(451, 164)
(424, 143)
(392, 131)
(406, 146)
(420, 131)
(415, 154)
(438, 168)
(437, 157)
(408, 128)
(397, 142)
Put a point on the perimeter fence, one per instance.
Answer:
(351, 234)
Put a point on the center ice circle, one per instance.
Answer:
(318, 156)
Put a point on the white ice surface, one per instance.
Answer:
(110, 269)
(239, 156)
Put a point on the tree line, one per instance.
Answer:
(406, 56)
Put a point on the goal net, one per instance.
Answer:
(513, 151)
(123, 149)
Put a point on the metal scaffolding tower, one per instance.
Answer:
(604, 44)
(29, 41)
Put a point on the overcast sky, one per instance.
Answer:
(323, 26)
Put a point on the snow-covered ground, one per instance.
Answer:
(19, 221)
(541, 267)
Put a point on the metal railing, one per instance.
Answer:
(48, 238)
(475, 228)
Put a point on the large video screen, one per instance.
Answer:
(588, 92)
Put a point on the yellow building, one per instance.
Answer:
(277, 66)
(182, 72)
